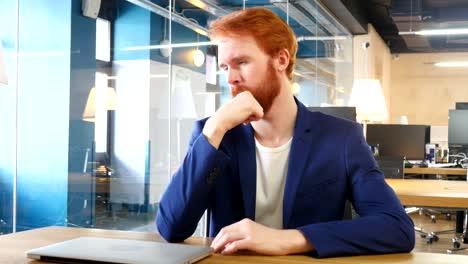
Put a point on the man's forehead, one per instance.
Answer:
(220, 41)
(230, 45)
(234, 39)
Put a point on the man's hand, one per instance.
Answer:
(241, 109)
(248, 235)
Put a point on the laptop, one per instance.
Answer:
(110, 250)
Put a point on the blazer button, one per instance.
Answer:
(210, 179)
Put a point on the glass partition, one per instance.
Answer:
(98, 112)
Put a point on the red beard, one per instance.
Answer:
(266, 92)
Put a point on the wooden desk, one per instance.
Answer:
(440, 171)
(13, 246)
(431, 193)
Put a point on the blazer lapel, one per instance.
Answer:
(298, 157)
(248, 170)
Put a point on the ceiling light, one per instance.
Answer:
(174, 45)
(151, 76)
(148, 5)
(437, 32)
(209, 6)
(165, 52)
(298, 74)
(321, 38)
(451, 64)
(198, 58)
(295, 88)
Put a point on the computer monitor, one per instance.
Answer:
(461, 106)
(345, 112)
(399, 140)
(458, 127)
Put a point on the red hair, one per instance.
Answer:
(270, 32)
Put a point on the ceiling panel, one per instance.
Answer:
(390, 17)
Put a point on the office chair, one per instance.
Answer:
(393, 168)
(433, 235)
(462, 231)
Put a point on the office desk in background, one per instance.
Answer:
(437, 171)
(13, 246)
(431, 193)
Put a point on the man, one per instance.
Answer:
(274, 175)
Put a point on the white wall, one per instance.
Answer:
(131, 131)
(425, 93)
(373, 62)
(155, 121)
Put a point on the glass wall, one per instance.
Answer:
(97, 112)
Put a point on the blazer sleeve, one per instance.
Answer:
(383, 225)
(187, 195)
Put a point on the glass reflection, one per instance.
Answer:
(109, 169)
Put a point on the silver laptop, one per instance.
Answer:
(109, 250)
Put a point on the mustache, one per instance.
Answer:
(235, 90)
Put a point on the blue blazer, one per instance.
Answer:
(329, 163)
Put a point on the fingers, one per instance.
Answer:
(235, 246)
(225, 238)
(251, 119)
(256, 110)
(248, 235)
(227, 235)
(219, 235)
(241, 109)
(253, 109)
(246, 108)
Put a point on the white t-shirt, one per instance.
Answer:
(272, 168)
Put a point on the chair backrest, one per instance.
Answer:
(349, 212)
(391, 166)
(345, 112)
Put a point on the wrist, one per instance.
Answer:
(213, 131)
(297, 242)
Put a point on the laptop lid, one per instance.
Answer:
(109, 250)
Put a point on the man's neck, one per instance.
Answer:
(277, 125)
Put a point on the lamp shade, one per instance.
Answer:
(402, 120)
(107, 95)
(369, 100)
(3, 75)
(183, 106)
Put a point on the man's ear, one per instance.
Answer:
(282, 59)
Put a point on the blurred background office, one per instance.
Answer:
(98, 97)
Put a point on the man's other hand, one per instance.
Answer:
(241, 109)
(248, 235)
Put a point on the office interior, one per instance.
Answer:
(97, 104)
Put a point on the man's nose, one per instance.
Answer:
(233, 77)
